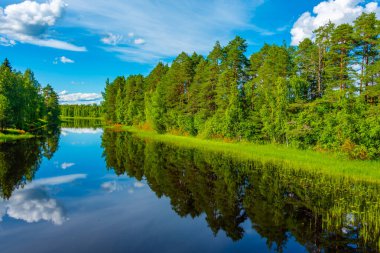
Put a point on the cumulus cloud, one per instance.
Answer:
(79, 98)
(112, 39)
(66, 165)
(29, 21)
(33, 204)
(336, 11)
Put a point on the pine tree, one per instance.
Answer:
(51, 104)
(339, 71)
(306, 60)
(323, 41)
(366, 32)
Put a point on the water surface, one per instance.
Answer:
(93, 191)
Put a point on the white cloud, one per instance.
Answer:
(65, 60)
(33, 204)
(80, 98)
(168, 27)
(67, 165)
(336, 11)
(112, 39)
(139, 41)
(117, 39)
(29, 21)
(7, 42)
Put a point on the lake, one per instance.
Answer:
(93, 190)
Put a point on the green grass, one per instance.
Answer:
(327, 163)
(14, 134)
(99, 118)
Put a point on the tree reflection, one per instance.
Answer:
(322, 213)
(20, 160)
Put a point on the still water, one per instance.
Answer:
(95, 190)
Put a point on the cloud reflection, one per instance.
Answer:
(66, 165)
(113, 186)
(66, 131)
(33, 204)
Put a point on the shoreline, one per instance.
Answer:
(95, 118)
(308, 160)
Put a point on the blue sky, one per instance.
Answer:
(75, 45)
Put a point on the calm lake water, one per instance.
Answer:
(89, 190)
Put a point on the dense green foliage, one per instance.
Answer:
(323, 213)
(81, 111)
(322, 94)
(24, 104)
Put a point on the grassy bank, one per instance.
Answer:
(328, 163)
(68, 118)
(14, 134)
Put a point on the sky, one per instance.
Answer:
(75, 45)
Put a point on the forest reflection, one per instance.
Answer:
(81, 123)
(323, 213)
(20, 160)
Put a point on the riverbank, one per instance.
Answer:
(327, 163)
(14, 134)
(69, 118)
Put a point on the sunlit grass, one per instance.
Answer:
(327, 163)
(66, 118)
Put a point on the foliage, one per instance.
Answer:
(24, 104)
(322, 94)
(81, 111)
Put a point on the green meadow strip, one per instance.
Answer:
(64, 118)
(327, 163)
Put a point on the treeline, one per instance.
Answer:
(322, 94)
(81, 111)
(24, 104)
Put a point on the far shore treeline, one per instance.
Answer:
(81, 111)
(323, 94)
(24, 104)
